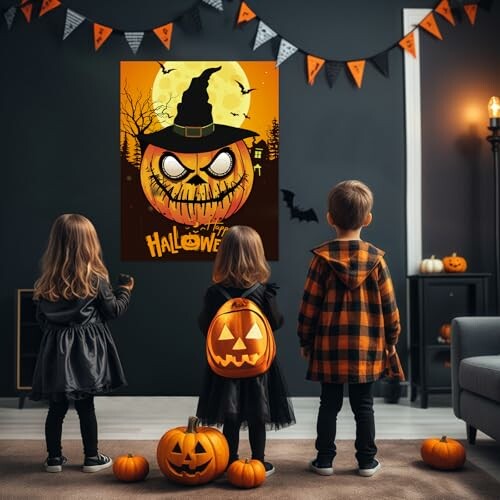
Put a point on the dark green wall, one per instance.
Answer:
(60, 134)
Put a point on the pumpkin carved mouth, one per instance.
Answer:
(251, 359)
(185, 468)
(204, 193)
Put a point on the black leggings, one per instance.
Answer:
(88, 425)
(256, 436)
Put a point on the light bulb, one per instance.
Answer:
(494, 107)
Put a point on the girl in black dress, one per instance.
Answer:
(257, 402)
(77, 356)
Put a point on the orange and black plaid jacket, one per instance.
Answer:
(348, 313)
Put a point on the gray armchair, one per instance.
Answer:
(475, 374)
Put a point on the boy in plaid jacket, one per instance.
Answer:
(348, 324)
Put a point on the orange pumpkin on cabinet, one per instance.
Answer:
(246, 473)
(130, 468)
(454, 264)
(445, 332)
(240, 341)
(192, 455)
(444, 453)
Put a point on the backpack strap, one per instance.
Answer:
(224, 292)
(250, 290)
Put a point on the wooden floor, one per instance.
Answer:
(145, 418)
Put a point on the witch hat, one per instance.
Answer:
(193, 130)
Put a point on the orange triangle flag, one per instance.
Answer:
(357, 68)
(48, 5)
(408, 43)
(314, 65)
(429, 24)
(27, 8)
(245, 14)
(471, 11)
(101, 34)
(444, 9)
(164, 33)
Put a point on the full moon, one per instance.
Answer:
(229, 105)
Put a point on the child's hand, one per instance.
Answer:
(391, 349)
(305, 352)
(126, 281)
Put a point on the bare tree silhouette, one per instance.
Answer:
(273, 142)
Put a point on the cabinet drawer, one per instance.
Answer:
(437, 369)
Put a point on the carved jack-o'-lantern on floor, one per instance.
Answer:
(195, 171)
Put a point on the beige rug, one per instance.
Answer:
(403, 475)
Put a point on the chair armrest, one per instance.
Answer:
(471, 336)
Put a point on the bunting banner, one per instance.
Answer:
(264, 34)
(245, 14)
(357, 69)
(444, 10)
(429, 24)
(381, 62)
(134, 39)
(164, 33)
(9, 16)
(216, 4)
(314, 65)
(408, 43)
(285, 51)
(332, 69)
(101, 34)
(47, 6)
(27, 9)
(73, 20)
(471, 11)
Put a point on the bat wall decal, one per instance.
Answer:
(296, 212)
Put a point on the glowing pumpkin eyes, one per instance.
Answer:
(253, 333)
(173, 168)
(221, 165)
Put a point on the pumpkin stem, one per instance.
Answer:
(193, 424)
(130, 455)
(433, 256)
(247, 461)
(443, 439)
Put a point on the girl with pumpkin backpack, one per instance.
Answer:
(243, 386)
(77, 356)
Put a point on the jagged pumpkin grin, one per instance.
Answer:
(251, 359)
(186, 469)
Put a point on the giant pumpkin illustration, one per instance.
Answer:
(196, 171)
(192, 455)
(240, 341)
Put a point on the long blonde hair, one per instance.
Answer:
(240, 260)
(72, 263)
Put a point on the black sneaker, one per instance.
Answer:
(270, 470)
(369, 469)
(96, 464)
(323, 469)
(55, 464)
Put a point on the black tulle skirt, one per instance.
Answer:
(264, 398)
(77, 362)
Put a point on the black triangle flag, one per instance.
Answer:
(381, 62)
(332, 70)
(190, 21)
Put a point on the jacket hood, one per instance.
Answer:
(352, 261)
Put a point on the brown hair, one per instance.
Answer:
(240, 260)
(72, 263)
(349, 203)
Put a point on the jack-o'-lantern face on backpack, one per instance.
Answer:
(195, 171)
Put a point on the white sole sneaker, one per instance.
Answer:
(370, 472)
(54, 468)
(97, 468)
(322, 471)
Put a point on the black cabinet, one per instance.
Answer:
(28, 337)
(435, 299)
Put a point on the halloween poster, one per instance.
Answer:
(199, 150)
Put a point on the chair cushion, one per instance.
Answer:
(481, 375)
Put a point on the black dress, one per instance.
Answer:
(264, 397)
(78, 356)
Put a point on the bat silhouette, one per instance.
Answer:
(243, 89)
(296, 212)
(234, 114)
(246, 116)
(164, 70)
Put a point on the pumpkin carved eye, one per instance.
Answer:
(173, 168)
(222, 164)
(199, 448)
(176, 448)
(226, 334)
(254, 332)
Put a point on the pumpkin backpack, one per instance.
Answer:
(240, 341)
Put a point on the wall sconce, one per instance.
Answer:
(494, 140)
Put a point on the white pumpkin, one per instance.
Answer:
(431, 265)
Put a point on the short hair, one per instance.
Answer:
(349, 203)
(240, 261)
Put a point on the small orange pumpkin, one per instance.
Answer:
(192, 455)
(454, 263)
(444, 453)
(130, 468)
(246, 473)
(445, 332)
